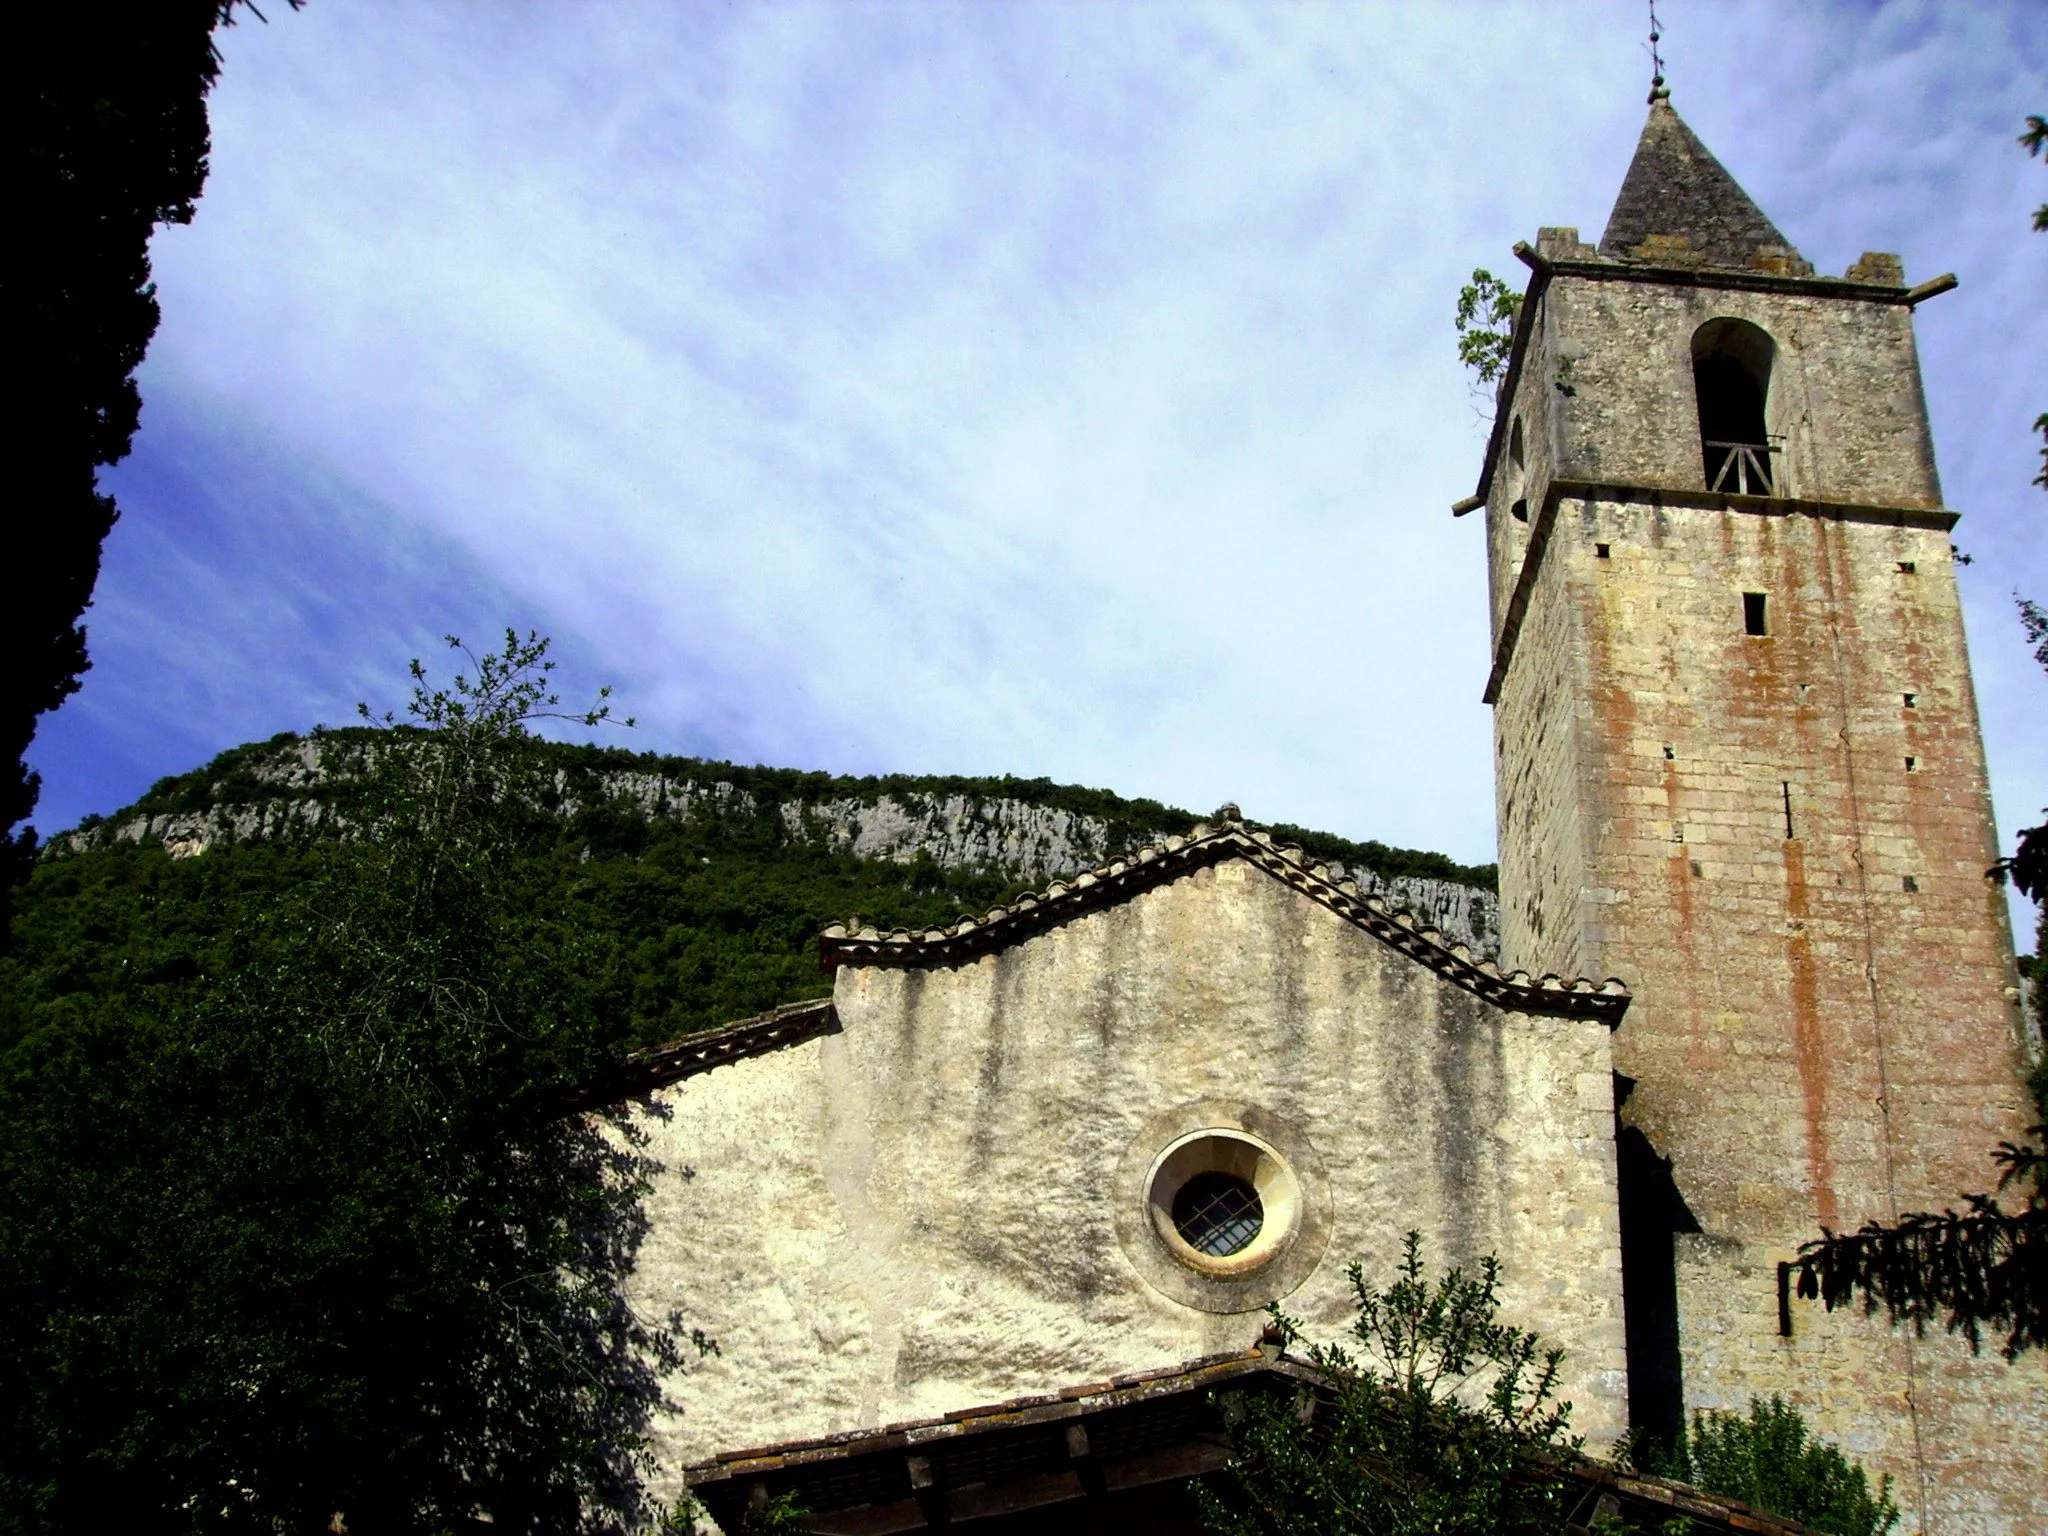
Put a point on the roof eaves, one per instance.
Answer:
(1156, 863)
(659, 1065)
(1068, 1402)
(1593, 1483)
(1747, 279)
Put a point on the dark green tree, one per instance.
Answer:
(1769, 1461)
(1444, 1423)
(303, 1242)
(113, 142)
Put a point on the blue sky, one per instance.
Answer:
(1032, 388)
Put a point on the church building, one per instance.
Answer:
(985, 1237)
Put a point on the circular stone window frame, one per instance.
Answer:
(1252, 1143)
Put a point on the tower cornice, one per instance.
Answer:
(1805, 285)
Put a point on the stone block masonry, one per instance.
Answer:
(1739, 767)
(1779, 840)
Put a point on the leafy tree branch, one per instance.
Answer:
(1768, 1460)
(1486, 325)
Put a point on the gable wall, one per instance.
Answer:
(933, 1209)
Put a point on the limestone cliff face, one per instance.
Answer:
(282, 790)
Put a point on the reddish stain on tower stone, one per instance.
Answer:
(1809, 1044)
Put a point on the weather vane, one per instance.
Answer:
(1658, 89)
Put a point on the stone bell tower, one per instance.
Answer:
(1739, 767)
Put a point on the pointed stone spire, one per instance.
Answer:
(1679, 207)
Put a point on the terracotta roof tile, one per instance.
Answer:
(658, 1065)
(1158, 863)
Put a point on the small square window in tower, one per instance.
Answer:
(1755, 613)
(1731, 375)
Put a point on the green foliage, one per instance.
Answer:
(686, 925)
(249, 776)
(1615, 1525)
(2028, 869)
(2034, 620)
(1486, 325)
(781, 1513)
(1983, 1266)
(1384, 860)
(1444, 1423)
(1769, 1462)
(294, 1230)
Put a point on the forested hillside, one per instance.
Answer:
(698, 887)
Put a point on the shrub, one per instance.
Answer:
(1444, 1425)
(1770, 1461)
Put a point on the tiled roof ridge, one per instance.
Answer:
(1154, 863)
(659, 1065)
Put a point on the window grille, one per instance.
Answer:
(1218, 1214)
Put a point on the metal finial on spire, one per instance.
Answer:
(1659, 91)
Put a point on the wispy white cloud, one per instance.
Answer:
(1058, 389)
(249, 591)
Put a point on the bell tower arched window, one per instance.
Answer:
(1731, 375)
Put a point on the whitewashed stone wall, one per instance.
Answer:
(933, 1208)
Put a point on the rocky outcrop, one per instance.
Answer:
(184, 833)
(1028, 843)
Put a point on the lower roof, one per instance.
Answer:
(1057, 1455)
